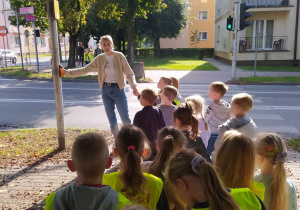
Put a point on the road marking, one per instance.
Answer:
(44, 88)
(265, 116)
(66, 102)
(261, 108)
(286, 107)
(281, 129)
(8, 79)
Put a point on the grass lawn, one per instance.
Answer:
(269, 79)
(17, 72)
(27, 146)
(271, 68)
(294, 143)
(152, 63)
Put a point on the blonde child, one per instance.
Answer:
(199, 106)
(140, 188)
(113, 71)
(196, 182)
(150, 119)
(89, 160)
(241, 104)
(271, 154)
(168, 95)
(185, 119)
(217, 113)
(236, 163)
(162, 83)
(175, 83)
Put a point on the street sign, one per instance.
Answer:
(26, 10)
(26, 32)
(3, 31)
(56, 9)
(30, 18)
(9, 13)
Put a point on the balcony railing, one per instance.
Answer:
(268, 3)
(264, 43)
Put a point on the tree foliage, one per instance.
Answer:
(165, 23)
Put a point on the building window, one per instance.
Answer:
(42, 40)
(202, 36)
(17, 43)
(203, 15)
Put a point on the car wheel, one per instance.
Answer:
(14, 61)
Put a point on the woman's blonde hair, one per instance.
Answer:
(273, 149)
(181, 165)
(235, 160)
(198, 102)
(175, 82)
(106, 38)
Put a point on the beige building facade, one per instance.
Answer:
(272, 32)
(201, 20)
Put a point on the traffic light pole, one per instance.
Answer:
(36, 52)
(56, 77)
(236, 5)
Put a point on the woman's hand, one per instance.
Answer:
(135, 91)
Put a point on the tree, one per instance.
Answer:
(126, 11)
(166, 23)
(73, 16)
(195, 38)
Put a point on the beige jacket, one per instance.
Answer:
(121, 68)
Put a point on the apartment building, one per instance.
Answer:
(273, 31)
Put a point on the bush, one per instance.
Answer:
(144, 52)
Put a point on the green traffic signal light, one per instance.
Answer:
(229, 23)
(229, 26)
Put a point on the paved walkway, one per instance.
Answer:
(26, 188)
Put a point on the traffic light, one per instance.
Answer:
(244, 15)
(229, 23)
(37, 33)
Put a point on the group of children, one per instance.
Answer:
(181, 156)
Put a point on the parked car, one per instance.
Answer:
(9, 54)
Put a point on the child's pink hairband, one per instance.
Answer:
(131, 147)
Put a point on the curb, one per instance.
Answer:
(238, 82)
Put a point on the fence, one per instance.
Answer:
(268, 3)
(266, 43)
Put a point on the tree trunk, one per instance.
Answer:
(59, 47)
(72, 51)
(123, 50)
(157, 47)
(130, 46)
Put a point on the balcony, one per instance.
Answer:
(264, 44)
(269, 3)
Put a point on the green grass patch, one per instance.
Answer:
(17, 72)
(294, 144)
(152, 63)
(271, 68)
(269, 79)
(23, 147)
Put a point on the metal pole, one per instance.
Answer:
(4, 53)
(236, 4)
(36, 52)
(20, 43)
(256, 40)
(56, 78)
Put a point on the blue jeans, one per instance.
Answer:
(111, 96)
(211, 143)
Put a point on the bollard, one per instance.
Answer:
(10, 64)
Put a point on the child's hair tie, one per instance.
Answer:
(131, 147)
(196, 163)
(281, 157)
(271, 147)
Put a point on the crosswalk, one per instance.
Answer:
(266, 116)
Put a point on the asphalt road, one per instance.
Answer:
(32, 104)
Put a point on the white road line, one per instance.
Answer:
(286, 107)
(7, 79)
(44, 88)
(66, 102)
(265, 116)
(282, 129)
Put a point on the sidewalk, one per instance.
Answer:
(26, 188)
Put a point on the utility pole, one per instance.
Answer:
(19, 38)
(36, 52)
(53, 15)
(236, 5)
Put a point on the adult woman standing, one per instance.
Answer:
(112, 69)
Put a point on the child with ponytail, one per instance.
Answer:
(197, 183)
(140, 188)
(184, 119)
(198, 103)
(271, 154)
(235, 163)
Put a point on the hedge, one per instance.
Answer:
(179, 52)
